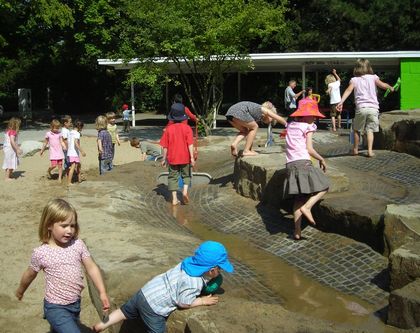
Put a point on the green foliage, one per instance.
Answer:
(198, 40)
(340, 25)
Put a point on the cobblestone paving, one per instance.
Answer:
(401, 171)
(343, 264)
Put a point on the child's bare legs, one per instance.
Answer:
(174, 198)
(252, 132)
(60, 172)
(306, 208)
(333, 123)
(243, 131)
(115, 317)
(70, 174)
(185, 196)
(51, 168)
(370, 143)
(297, 216)
(356, 142)
(79, 172)
(339, 119)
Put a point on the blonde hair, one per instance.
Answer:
(66, 119)
(14, 124)
(55, 124)
(362, 67)
(110, 115)
(272, 108)
(56, 210)
(134, 142)
(101, 122)
(330, 78)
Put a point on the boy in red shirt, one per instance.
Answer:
(177, 144)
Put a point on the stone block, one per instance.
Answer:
(261, 178)
(402, 225)
(399, 131)
(404, 265)
(356, 215)
(404, 306)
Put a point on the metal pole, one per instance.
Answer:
(214, 104)
(167, 96)
(303, 78)
(133, 112)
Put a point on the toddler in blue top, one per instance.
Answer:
(179, 287)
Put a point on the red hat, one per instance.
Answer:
(307, 107)
(125, 107)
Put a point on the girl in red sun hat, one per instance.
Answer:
(306, 183)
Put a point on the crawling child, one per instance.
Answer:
(147, 148)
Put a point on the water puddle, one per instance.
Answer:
(297, 292)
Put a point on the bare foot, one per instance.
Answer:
(185, 198)
(371, 154)
(175, 203)
(297, 232)
(355, 152)
(233, 150)
(249, 153)
(308, 214)
(8, 179)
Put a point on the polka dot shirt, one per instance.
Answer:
(63, 270)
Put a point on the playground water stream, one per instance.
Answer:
(297, 293)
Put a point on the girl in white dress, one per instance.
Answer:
(11, 148)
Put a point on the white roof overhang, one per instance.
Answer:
(295, 62)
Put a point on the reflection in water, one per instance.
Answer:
(298, 292)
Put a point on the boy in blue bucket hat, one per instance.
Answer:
(179, 287)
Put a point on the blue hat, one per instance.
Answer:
(208, 255)
(177, 112)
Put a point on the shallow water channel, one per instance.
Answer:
(296, 292)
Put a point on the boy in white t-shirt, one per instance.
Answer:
(333, 82)
(73, 152)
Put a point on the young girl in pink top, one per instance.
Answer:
(54, 139)
(11, 148)
(304, 181)
(62, 257)
(366, 119)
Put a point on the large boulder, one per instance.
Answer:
(261, 178)
(404, 265)
(357, 215)
(404, 306)
(402, 225)
(399, 131)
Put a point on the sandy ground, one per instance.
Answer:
(21, 203)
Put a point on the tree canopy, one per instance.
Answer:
(51, 43)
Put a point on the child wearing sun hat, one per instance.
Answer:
(306, 183)
(179, 287)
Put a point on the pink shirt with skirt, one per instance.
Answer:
(296, 141)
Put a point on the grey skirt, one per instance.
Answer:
(303, 178)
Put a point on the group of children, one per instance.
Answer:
(64, 148)
(181, 286)
(306, 183)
